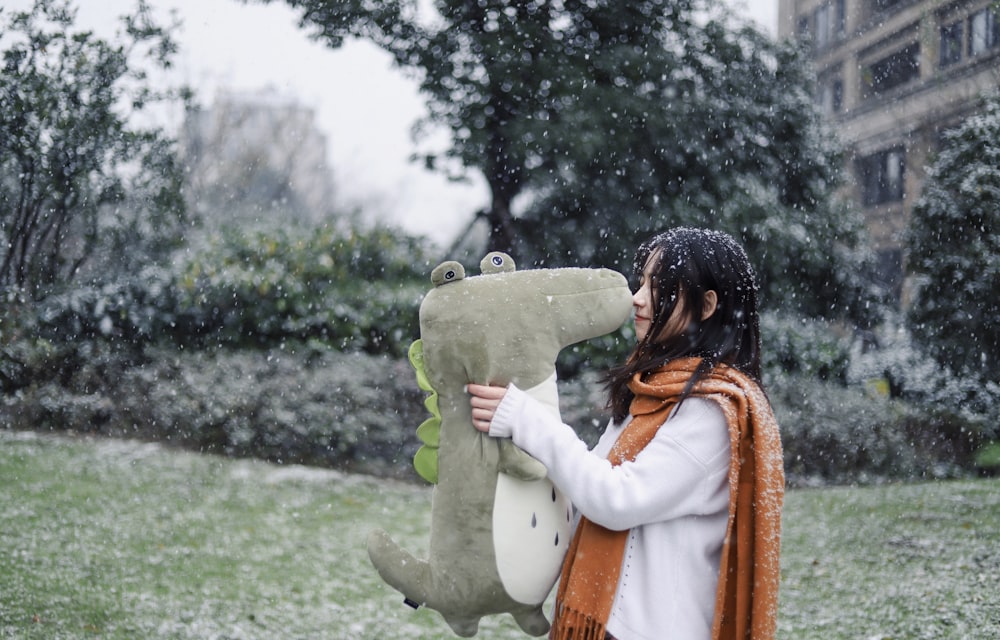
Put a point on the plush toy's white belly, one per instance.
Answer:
(532, 524)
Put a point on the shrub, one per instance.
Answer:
(130, 310)
(121, 359)
(306, 404)
(358, 291)
(988, 459)
(806, 347)
(959, 406)
(354, 290)
(836, 434)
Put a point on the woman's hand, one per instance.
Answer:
(485, 400)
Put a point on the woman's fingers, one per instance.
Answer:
(484, 399)
(482, 413)
(484, 403)
(481, 419)
(486, 392)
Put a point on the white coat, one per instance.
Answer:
(673, 499)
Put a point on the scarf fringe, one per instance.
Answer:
(569, 624)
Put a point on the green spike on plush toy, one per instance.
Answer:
(425, 461)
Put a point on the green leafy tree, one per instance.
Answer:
(954, 249)
(597, 122)
(739, 146)
(78, 179)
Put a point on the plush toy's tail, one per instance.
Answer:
(411, 577)
(399, 568)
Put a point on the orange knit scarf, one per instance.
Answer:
(746, 602)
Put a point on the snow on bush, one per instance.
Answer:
(306, 405)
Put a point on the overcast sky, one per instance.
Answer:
(363, 105)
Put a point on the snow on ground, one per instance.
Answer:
(126, 539)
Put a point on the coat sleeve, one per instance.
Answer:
(682, 472)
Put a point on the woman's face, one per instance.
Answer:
(643, 303)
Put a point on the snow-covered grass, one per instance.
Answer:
(102, 538)
(892, 562)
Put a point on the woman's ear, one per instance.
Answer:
(709, 303)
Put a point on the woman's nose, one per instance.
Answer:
(639, 297)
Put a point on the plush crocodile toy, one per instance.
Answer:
(499, 528)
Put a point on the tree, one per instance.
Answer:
(77, 177)
(953, 249)
(739, 146)
(597, 121)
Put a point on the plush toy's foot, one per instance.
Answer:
(464, 628)
(533, 622)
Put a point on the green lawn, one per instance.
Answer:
(112, 539)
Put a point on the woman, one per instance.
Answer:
(680, 500)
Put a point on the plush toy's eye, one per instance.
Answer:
(497, 262)
(446, 272)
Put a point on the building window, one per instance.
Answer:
(831, 95)
(829, 21)
(882, 176)
(824, 26)
(894, 70)
(951, 43)
(889, 271)
(984, 31)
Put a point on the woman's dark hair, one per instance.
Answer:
(687, 263)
